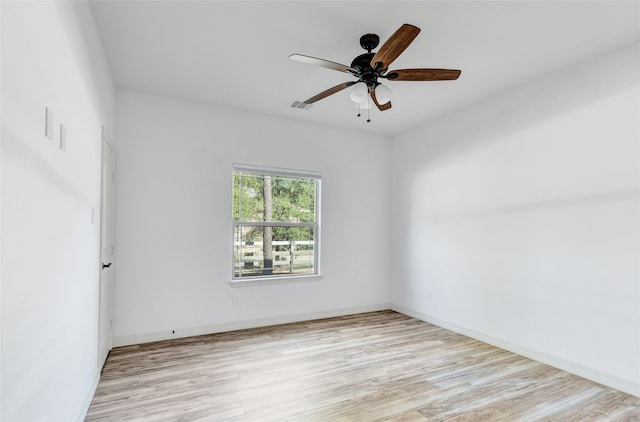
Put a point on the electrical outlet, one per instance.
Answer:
(234, 301)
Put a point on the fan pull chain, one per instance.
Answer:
(368, 111)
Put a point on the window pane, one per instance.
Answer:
(259, 197)
(273, 250)
(293, 199)
(248, 200)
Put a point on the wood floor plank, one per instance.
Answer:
(378, 366)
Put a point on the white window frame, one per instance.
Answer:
(276, 171)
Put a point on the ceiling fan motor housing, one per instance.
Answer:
(366, 73)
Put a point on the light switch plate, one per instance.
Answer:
(63, 138)
(48, 123)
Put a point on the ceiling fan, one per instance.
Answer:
(369, 67)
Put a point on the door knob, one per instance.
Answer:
(106, 265)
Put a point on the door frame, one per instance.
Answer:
(102, 301)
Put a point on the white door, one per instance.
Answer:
(106, 251)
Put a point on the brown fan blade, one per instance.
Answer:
(328, 92)
(394, 46)
(321, 62)
(381, 107)
(423, 75)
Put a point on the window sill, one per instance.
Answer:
(261, 281)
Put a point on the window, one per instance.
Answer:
(276, 219)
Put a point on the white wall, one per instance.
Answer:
(173, 213)
(51, 57)
(518, 220)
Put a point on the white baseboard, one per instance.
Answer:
(89, 399)
(241, 325)
(600, 377)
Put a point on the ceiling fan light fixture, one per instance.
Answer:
(359, 93)
(383, 94)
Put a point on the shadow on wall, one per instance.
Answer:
(546, 99)
(92, 65)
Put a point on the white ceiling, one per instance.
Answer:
(235, 53)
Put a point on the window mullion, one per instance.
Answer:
(275, 224)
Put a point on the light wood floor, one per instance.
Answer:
(380, 366)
